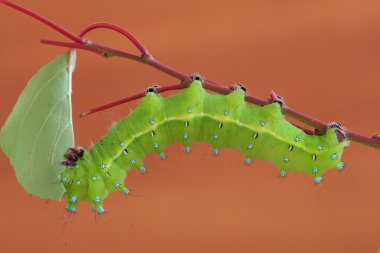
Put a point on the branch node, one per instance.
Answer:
(274, 98)
(238, 86)
(87, 42)
(196, 77)
(153, 89)
(376, 137)
(147, 57)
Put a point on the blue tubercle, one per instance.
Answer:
(100, 210)
(77, 183)
(94, 178)
(185, 136)
(286, 159)
(318, 180)
(162, 155)
(187, 149)
(116, 184)
(126, 191)
(334, 156)
(73, 199)
(96, 200)
(315, 170)
(71, 208)
(262, 123)
(248, 161)
(249, 146)
(283, 173)
(143, 169)
(152, 122)
(155, 145)
(340, 166)
(216, 151)
(216, 136)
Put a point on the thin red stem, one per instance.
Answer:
(121, 30)
(72, 45)
(168, 70)
(146, 58)
(362, 139)
(46, 21)
(131, 98)
(304, 118)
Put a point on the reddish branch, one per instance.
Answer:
(146, 58)
(121, 30)
(56, 27)
(131, 98)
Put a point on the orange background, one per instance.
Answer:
(323, 57)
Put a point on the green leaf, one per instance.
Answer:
(39, 129)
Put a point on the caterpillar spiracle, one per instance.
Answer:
(259, 132)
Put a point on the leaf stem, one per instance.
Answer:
(147, 58)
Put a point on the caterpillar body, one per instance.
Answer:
(194, 115)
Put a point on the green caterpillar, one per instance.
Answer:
(187, 117)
